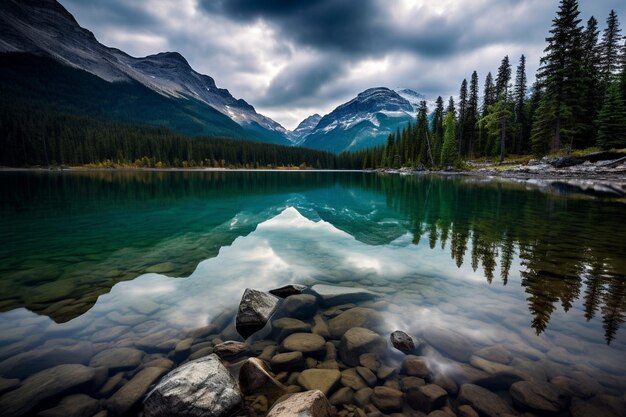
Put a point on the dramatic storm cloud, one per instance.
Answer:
(292, 58)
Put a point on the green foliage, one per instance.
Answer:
(612, 119)
(449, 151)
(496, 124)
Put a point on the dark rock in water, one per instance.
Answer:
(343, 396)
(203, 387)
(415, 366)
(254, 379)
(77, 405)
(43, 386)
(354, 317)
(580, 408)
(537, 396)
(305, 404)
(332, 295)
(351, 378)
(387, 400)
(362, 396)
(131, 393)
(367, 375)
(484, 401)
(324, 380)
(286, 326)
(402, 341)
(117, 359)
(290, 361)
(427, 398)
(466, 411)
(231, 349)
(300, 306)
(307, 343)
(255, 309)
(495, 354)
(452, 344)
(287, 290)
(358, 341)
(8, 384)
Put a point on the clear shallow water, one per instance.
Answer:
(110, 259)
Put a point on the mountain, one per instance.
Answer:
(304, 129)
(44, 28)
(363, 122)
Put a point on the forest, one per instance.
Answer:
(577, 102)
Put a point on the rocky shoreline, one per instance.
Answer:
(321, 351)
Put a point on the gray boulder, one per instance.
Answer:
(203, 387)
(255, 309)
(305, 404)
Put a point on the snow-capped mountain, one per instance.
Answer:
(415, 98)
(45, 27)
(362, 122)
(304, 129)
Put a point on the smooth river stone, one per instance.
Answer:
(307, 343)
(117, 359)
(542, 397)
(254, 379)
(484, 401)
(77, 405)
(127, 397)
(334, 295)
(324, 380)
(452, 344)
(286, 326)
(358, 341)
(302, 306)
(354, 317)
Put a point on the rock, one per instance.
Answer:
(411, 382)
(571, 387)
(441, 413)
(109, 334)
(370, 361)
(367, 375)
(255, 309)
(202, 387)
(231, 349)
(385, 372)
(466, 411)
(447, 383)
(291, 361)
(362, 396)
(485, 402)
(43, 386)
(286, 326)
(580, 408)
(127, 397)
(254, 379)
(343, 396)
(24, 364)
(320, 327)
(351, 378)
(161, 268)
(182, 349)
(357, 341)
(305, 404)
(307, 343)
(334, 295)
(77, 405)
(117, 359)
(301, 306)
(462, 373)
(287, 290)
(402, 341)
(452, 344)
(111, 385)
(324, 380)
(427, 398)
(387, 399)
(201, 353)
(495, 353)
(8, 384)
(415, 366)
(159, 363)
(537, 396)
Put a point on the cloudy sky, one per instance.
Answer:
(293, 58)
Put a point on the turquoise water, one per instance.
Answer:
(139, 258)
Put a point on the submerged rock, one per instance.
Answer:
(127, 397)
(117, 359)
(254, 379)
(305, 404)
(416, 366)
(333, 295)
(354, 317)
(324, 380)
(255, 309)
(290, 361)
(387, 399)
(286, 326)
(307, 343)
(203, 387)
(402, 341)
(427, 398)
(485, 402)
(454, 345)
(43, 386)
(232, 349)
(287, 290)
(358, 341)
(300, 306)
(77, 405)
(537, 396)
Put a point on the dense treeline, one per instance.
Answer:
(578, 101)
(34, 136)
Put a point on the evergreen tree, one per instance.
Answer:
(612, 119)
(438, 129)
(519, 108)
(496, 124)
(472, 114)
(559, 76)
(462, 115)
(489, 92)
(425, 156)
(591, 86)
(449, 152)
(609, 59)
(451, 108)
(503, 78)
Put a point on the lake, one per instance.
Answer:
(115, 269)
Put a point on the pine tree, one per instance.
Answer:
(462, 115)
(437, 139)
(425, 156)
(496, 124)
(610, 45)
(519, 100)
(591, 87)
(612, 119)
(503, 78)
(560, 76)
(489, 94)
(472, 114)
(451, 107)
(449, 152)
